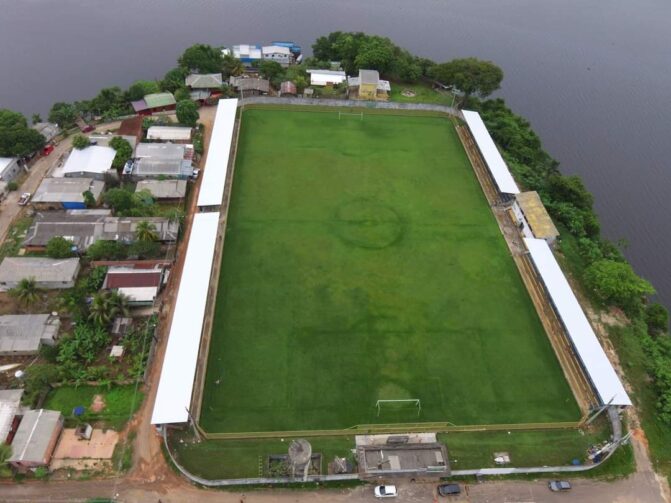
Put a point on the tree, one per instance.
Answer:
(26, 292)
(617, 283)
(140, 88)
(78, 350)
(38, 379)
(187, 113)
(119, 200)
(182, 94)
(570, 189)
(272, 71)
(106, 306)
(80, 142)
(173, 80)
(63, 114)
(123, 152)
(89, 199)
(145, 249)
(109, 99)
(36, 118)
(16, 138)
(59, 247)
(657, 318)
(106, 250)
(202, 58)
(375, 53)
(470, 76)
(146, 231)
(231, 66)
(12, 186)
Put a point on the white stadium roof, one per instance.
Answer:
(175, 387)
(595, 362)
(216, 166)
(497, 166)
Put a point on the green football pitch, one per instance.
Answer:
(362, 263)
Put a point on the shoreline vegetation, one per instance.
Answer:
(639, 331)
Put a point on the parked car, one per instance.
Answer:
(386, 492)
(559, 485)
(25, 197)
(195, 173)
(449, 489)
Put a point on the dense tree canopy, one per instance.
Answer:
(187, 113)
(202, 58)
(272, 71)
(123, 152)
(16, 138)
(469, 75)
(106, 250)
(80, 142)
(617, 283)
(173, 80)
(140, 88)
(63, 114)
(231, 66)
(657, 318)
(59, 247)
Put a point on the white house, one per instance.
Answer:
(277, 53)
(93, 162)
(9, 168)
(326, 77)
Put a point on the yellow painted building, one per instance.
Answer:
(368, 86)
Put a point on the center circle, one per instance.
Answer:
(368, 224)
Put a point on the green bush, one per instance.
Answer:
(12, 186)
(59, 247)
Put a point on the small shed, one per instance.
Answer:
(204, 81)
(170, 133)
(24, 334)
(9, 168)
(288, 88)
(250, 86)
(326, 77)
(164, 191)
(36, 439)
(47, 129)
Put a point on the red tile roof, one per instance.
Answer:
(132, 279)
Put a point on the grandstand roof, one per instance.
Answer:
(537, 216)
(175, 387)
(216, 166)
(497, 166)
(600, 371)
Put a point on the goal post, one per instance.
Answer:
(413, 402)
(353, 114)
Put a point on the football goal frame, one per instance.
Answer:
(414, 401)
(354, 114)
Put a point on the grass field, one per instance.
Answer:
(362, 262)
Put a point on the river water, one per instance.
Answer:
(593, 77)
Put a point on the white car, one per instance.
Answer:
(386, 492)
(25, 197)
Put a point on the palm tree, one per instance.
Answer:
(106, 306)
(146, 231)
(26, 291)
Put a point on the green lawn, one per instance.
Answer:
(424, 93)
(120, 403)
(362, 262)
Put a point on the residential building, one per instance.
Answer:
(140, 286)
(94, 162)
(250, 86)
(204, 81)
(161, 160)
(248, 54)
(131, 127)
(164, 191)
(153, 103)
(170, 133)
(9, 168)
(277, 53)
(368, 86)
(49, 273)
(10, 407)
(47, 129)
(294, 48)
(326, 77)
(24, 334)
(66, 193)
(36, 439)
(288, 88)
(85, 227)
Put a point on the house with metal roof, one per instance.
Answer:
(9, 168)
(204, 80)
(533, 218)
(49, 273)
(49, 130)
(248, 54)
(36, 439)
(104, 139)
(156, 102)
(85, 227)
(278, 53)
(326, 77)
(163, 190)
(249, 85)
(66, 193)
(175, 134)
(161, 160)
(140, 286)
(10, 407)
(288, 88)
(24, 334)
(91, 162)
(368, 86)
